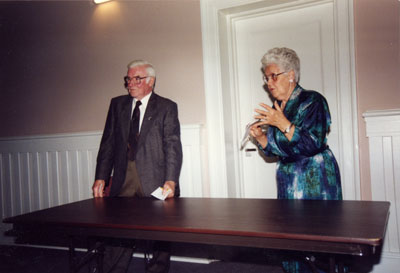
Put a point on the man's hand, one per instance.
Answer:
(169, 185)
(98, 188)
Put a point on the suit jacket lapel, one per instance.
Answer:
(126, 116)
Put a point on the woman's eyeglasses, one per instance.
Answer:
(273, 76)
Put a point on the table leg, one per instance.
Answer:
(310, 260)
(340, 267)
(100, 257)
(335, 264)
(71, 256)
(97, 252)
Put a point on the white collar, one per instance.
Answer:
(144, 101)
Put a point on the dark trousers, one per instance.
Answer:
(117, 257)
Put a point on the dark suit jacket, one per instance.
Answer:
(159, 153)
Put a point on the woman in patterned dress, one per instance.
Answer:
(298, 123)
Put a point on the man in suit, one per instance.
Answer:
(141, 145)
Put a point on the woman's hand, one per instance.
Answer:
(257, 133)
(273, 117)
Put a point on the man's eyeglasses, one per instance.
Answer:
(273, 76)
(136, 79)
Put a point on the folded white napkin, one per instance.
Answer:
(158, 193)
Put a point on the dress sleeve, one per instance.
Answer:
(312, 121)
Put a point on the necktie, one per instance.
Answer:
(134, 132)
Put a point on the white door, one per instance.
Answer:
(310, 32)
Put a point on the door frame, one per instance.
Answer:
(217, 18)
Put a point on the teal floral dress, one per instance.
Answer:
(307, 168)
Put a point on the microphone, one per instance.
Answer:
(246, 136)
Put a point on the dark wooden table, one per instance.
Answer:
(334, 227)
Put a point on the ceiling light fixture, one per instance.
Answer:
(100, 1)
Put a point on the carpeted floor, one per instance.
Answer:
(22, 259)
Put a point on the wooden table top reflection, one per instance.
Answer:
(338, 227)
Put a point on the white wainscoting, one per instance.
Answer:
(383, 132)
(45, 171)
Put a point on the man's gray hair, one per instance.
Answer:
(285, 58)
(149, 67)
